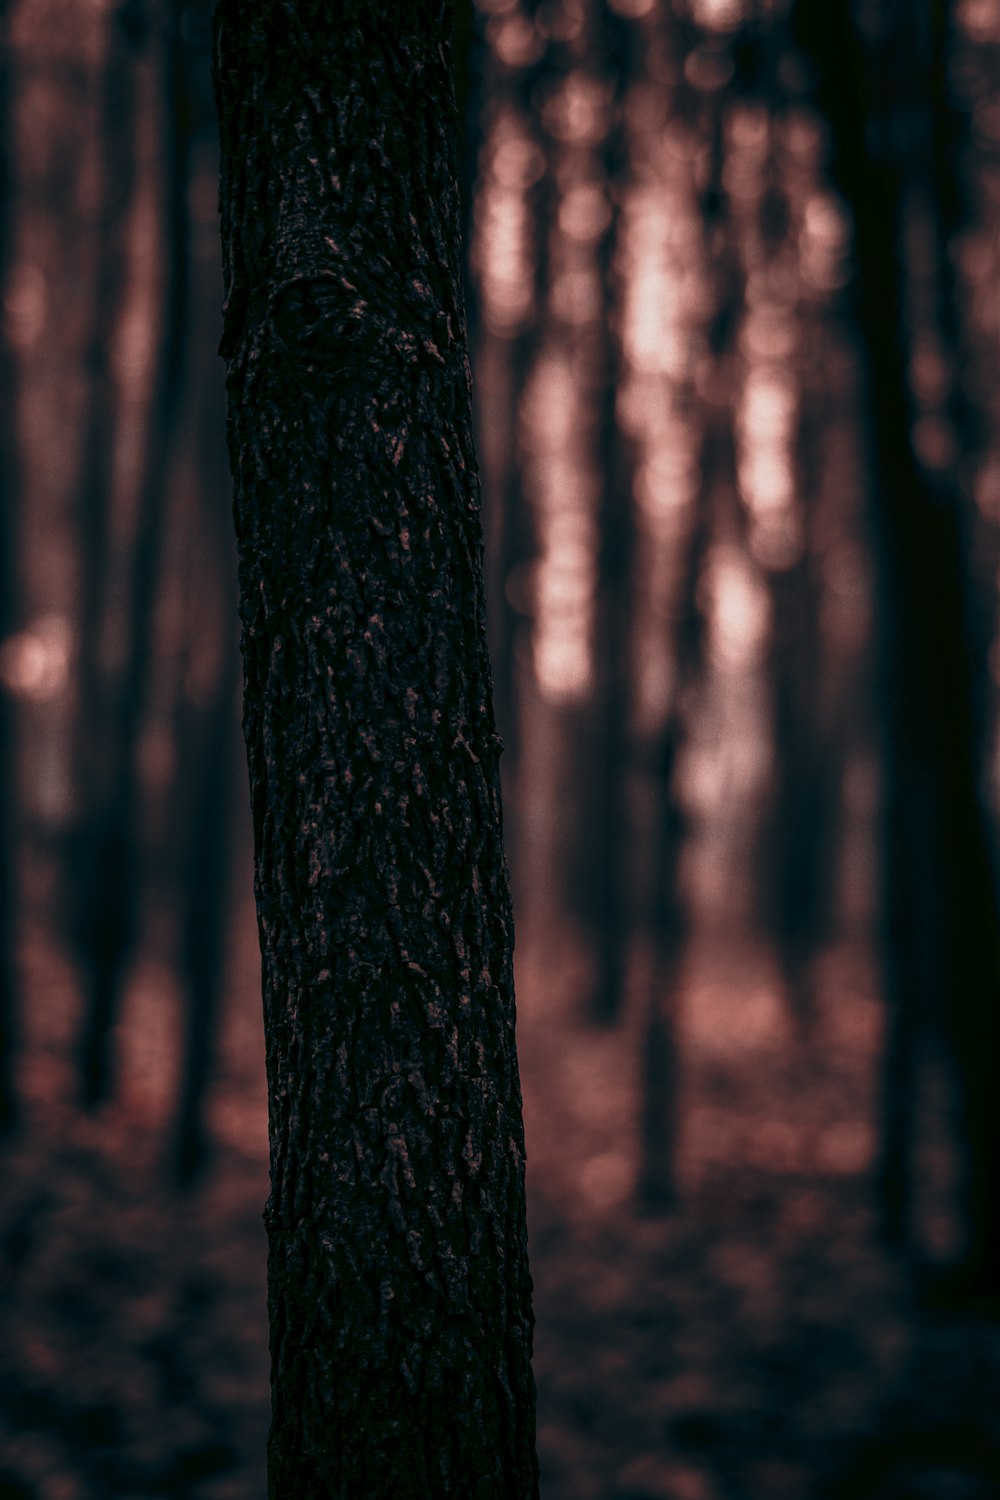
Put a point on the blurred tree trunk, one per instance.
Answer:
(468, 100)
(206, 904)
(798, 828)
(656, 1187)
(503, 360)
(805, 769)
(941, 907)
(9, 507)
(607, 842)
(114, 837)
(399, 1288)
(103, 913)
(669, 920)
(509, 545)
(209, 753)
(94, 495)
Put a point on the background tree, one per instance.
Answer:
(102, 898)
(399, 1290)
(883, 91)
(115, 830)
(8, 613)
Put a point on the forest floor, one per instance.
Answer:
(755, 1344)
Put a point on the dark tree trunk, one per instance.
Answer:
(102, 884)
(117, 165)
(398, 1278)
(101, 917)
(8, 610)
(942, 915)
(206, 909)
(657, 1183)
(605, 844)
(504, 361)
(206, 722)
(113, 841)
(609, 815)
(805, 765)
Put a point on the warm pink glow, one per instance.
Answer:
(824, 243)
(980, 19)
(739, 610)
(503, 248)
(515, 41)
(34, 664)
(561, 487)
(578, 110)
(25, 305)
(576, 295)
(717, 15)
(585, 213)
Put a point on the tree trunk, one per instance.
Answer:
(669, 918)
(102, 883)
(206, 723)
(206, 909)
(398, 1280)
(9, 504)
(114, 847)
(941, 902)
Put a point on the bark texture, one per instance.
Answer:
(398, 1279)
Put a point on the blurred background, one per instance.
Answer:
(734, 310)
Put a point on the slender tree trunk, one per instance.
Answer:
(206, 725)
(117, 165)
(115, 857)
(101, 925)
(208, 753)
(206, 910)
(399, 1288)
(9, 501)
(508, 358)
(802, 815)
(607, 842)
(657, 1184)
(610, 813)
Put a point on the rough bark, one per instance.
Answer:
(398, 1280)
